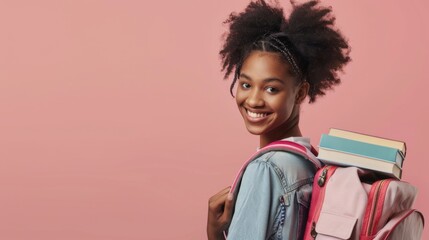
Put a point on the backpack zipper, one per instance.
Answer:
(372, 216)
(321, 181)
(373, 208)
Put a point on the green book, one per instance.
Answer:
(363, 149)
(369, 139)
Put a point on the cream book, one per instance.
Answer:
(331, 156)
(369, 139)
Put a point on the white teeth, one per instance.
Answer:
(256, 115)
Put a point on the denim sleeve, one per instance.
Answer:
(255, 208)
(273, 199)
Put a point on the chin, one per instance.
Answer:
(255, 130)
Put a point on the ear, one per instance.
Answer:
(302, 92)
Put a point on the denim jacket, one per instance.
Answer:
(274, 197)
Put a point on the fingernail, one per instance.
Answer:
(230, 196)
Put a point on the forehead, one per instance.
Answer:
(262, 65)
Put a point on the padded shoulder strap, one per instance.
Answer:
(297, 149)
(282, 145)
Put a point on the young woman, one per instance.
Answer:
(277, 63)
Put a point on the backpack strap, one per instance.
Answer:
(299, 149)
(282, 145)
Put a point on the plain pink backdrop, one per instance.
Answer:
(116, 123)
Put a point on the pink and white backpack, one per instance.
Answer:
(349, 203)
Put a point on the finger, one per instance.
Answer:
(217, 202)
(221, 192)
(228, 209)
(220, 195)
(217, 205)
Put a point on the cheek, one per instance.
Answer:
(283, 105)
(239, 97)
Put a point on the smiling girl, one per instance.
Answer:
(276, 63)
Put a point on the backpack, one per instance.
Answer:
(351, 203)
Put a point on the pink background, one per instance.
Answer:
(116, 123)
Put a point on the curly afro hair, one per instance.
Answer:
(316, 48)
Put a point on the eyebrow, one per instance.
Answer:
(267, 80)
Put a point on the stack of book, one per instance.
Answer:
(345, 148)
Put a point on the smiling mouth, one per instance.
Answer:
(255, 117)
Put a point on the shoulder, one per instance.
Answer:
(286, 163)
(280, 158)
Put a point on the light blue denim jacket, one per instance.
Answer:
(274, 197)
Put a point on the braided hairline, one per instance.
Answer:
(283, 49)
(288, 56)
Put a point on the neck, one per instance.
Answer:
(290, 129)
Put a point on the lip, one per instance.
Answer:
(255, 119)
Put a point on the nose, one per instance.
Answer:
(255, 99)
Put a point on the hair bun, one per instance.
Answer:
(245, 28)
(322, 48)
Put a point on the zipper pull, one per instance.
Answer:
(322, 177)
(285, 200)
(313, 232)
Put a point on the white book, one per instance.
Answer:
(332, 157)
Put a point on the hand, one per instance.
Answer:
(220, 214)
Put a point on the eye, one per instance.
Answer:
(245, 85)
(272, 90)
